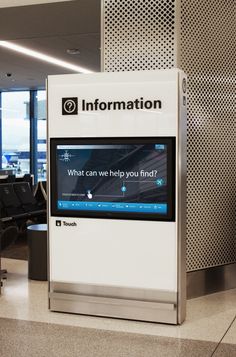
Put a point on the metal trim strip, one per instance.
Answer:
(116, 292)
(116, 308)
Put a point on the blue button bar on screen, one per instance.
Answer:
(160, 208)
(160, 146)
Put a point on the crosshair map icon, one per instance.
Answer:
(66, 156)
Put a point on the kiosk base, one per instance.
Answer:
(117, 302)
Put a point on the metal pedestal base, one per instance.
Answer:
(118, 302)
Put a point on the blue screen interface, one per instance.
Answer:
(112, 178)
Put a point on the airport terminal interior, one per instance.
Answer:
(133, 102)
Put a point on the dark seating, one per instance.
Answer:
(11, 178)
(26, 198)
(2, 211)
(40, 193)
(44, 187)
(18, 204)
(10, 201)
(26, 178)
(8, 236)
(18, 208)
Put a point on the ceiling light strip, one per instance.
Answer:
(43, 57)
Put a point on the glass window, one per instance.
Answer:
(42, 133)
(16, 131)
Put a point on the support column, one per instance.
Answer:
(198, 37)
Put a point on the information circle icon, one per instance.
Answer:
(69, 106)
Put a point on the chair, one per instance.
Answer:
(44, 188)
(40, 193)
(26, 178)
(8, 236)
(34, 209)
(26, 198)
(10, 201)
(2, 211)
(11, 178)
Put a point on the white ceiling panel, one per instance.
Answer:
(12, 3)
(50, 29)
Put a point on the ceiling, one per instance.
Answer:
(7, 3)
(51, 28)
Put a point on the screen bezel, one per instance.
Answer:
(171, 175)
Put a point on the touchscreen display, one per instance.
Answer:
(126, 177)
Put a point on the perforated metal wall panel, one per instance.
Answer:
(138, 34)
(207, 55)
(142, 34)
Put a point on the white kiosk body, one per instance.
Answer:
(116, 221)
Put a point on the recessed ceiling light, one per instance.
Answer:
(43, 57)
(73, 51)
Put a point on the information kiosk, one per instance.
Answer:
(116, 203)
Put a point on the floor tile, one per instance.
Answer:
(230, 337)
(207, 317)
(23, 338)
(225, 350)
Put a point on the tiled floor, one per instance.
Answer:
(209, 330)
